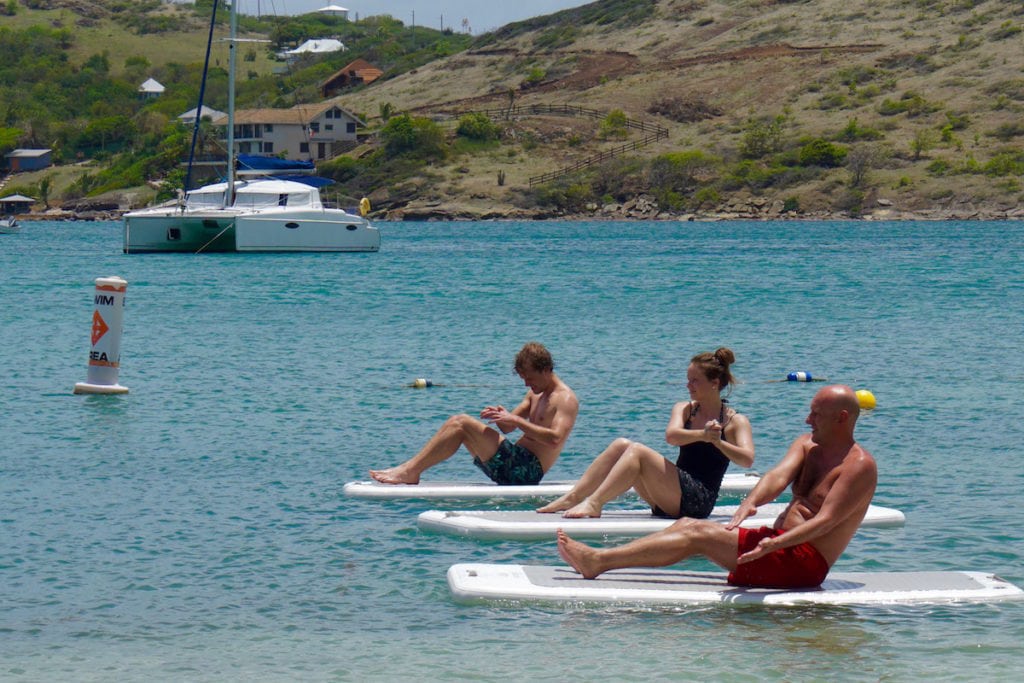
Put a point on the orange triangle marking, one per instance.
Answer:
(99, 327)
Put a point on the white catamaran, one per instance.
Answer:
(269, 213)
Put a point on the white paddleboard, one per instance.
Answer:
(530, 525)
(472, 583)
(733, 484)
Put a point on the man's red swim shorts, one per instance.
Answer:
(800, 566)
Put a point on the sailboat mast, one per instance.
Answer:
(230, 195)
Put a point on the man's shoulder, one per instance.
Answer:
(564, 390)
(860, 458)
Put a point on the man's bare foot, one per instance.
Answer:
(587, 508)
(579, 556)
(563, 503)
(394, 475)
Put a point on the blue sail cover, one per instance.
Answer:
(311, 180)
(255, 162)
(282, 169)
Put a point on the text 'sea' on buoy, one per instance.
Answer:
(420, 383)
(107, 323)
(866, 399)
(799, 377)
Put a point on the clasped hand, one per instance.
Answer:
(496, 415)
(713, 431)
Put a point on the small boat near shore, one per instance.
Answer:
(9, 225)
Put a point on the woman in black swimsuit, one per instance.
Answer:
(709, 434)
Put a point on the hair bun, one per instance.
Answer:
(725, 356)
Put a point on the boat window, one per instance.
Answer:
(256, 200)
(205, 200)
(282, 200)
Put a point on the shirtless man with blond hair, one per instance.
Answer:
(833, 481)
(545, 416)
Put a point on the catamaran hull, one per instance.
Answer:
(174, 232)
(312, 232)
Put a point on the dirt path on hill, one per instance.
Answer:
(594, 67)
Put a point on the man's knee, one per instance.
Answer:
(459, 422)
(693, 528)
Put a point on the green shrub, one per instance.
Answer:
(938, 168)
(910, 104)
(614, 125)
(854, 132)
(958, 121)
(341, 168)
(1009, 163)
(706, 196)
(823, 153)
(1007, 29)
(417, 137)
(681, 171)
(1013, 89)
(856, 75)
(670, 200)
(535, 76)
(1008, 131)
(762, 137)
(567, 196)
(850, 200)
(754, 175)
(833, 100)
(559, 36)
(791, 204)
(478, 126)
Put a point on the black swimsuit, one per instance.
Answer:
(700, 467)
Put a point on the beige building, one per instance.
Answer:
(306, 131)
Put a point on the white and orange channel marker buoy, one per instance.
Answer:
(107, 324)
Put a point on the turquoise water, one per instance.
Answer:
(195, 528)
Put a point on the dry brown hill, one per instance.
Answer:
(935, 87)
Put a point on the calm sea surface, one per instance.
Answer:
(195, 529)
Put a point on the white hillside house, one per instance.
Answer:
(309, 132)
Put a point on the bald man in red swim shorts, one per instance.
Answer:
(833, 480)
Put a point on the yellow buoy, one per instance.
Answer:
(866, 399)
(364, 206)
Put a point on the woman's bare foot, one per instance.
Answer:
(563, 503)
(395, 475)
(587, 508)
(579, 556)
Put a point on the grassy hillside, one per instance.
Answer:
(805, 107)
(70, 70)
(924, 98)
(97, 30)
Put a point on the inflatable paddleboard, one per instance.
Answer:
(733, 484)
(471, 583)
(530, 525)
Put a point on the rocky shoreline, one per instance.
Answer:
(645, 208)
(640, 208)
